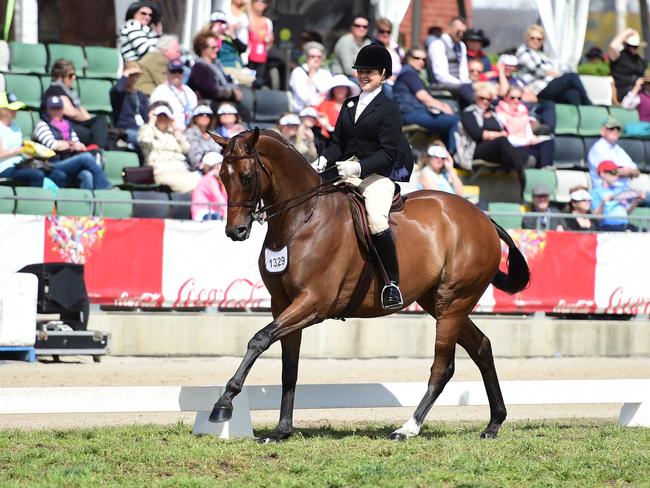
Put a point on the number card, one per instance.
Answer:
(276, 261)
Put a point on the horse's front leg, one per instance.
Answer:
(290, 357)
(300, 314)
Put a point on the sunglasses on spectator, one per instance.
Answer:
(360, 26)
(383, 31)
(212, 46)
(145, 13)
(419, 58)
(613, 172)
(484, 99)
(475, 71)
(532, 38)
(514, 98)
(71, 75)
(315, 56)
(617, 129)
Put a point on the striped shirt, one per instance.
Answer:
(136, 40)
(43, 134)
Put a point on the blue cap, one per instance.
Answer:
(54, 102)
(175, 66)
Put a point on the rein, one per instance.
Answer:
(260, 210)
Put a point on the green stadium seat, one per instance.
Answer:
(7, 205)
(70, 52)
(42, 205)
(27, 88)
(28, 58)
(567, 119)
(77, 208)
(506, 221)
(640, 217)
(536, 177)
(116, 161)
(592, 118)
(103, 62)
(95, 94)
(25, 122)
(115, 204)
(624, 116)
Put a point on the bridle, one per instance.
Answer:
(261, 212)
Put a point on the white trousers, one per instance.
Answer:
(378, 193)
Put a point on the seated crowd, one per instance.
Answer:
(164, 105)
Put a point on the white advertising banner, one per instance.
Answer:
(23, 239)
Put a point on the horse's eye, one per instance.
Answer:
(246, 178)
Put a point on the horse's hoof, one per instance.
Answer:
(396, 436)
(488, 435)
(273, 437)
(220, 414)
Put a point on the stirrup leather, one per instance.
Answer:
(391, 297)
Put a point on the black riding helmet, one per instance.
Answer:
(374, 56)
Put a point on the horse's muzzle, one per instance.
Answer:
(238, 233)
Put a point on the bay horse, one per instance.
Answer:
(449, 252)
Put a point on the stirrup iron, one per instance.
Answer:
(394, 297)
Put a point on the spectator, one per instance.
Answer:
(542, 110)
(579, 208)
(484, 136)
(198, 138)
(179, 96)
(12, 163)
(417, 106)
(514, 116)
(302, 138)
(639, 97)
(140, 31)
(210, 189)
(313, 121)
(309, 82)
(229, 122)
(91, 130)
(383, 31)
(438, 173)
(208, 77)
(130, 106)
(538, 72)
(231, 47)
(237, 19)
(260, 40)
(348, 46)
(154, 63)
(476, 41)
(542, 204)
(595, 55)
(448, 58)
(73, 158)
(611, 201)
(340, 88)
(433, 33)
(475, 70)
(164, 146)
(626, 64)
(607, 148)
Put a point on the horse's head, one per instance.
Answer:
(242, 173)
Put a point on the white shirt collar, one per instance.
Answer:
(367, 97)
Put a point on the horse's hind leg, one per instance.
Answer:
(300, 314)
(290, 357)
(447, 330)
(479, 349)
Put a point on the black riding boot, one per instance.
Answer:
(391, 296)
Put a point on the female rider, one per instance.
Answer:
(370, 152)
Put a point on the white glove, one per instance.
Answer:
(319, 164)
(348, 168)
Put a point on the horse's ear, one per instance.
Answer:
(256, 136)
(222, 141)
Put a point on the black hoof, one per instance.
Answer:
(396, 436)
(488, 435)
(220, 414)
(273, 437)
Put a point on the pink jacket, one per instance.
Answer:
(209, 189)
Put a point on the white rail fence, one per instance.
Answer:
(633, 394)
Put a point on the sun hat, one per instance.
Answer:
(54, 102)
(227, 108)
(202, 109)
(607, 165)
(508, 60)
(309, 112)
(580, 195)
(9, 100)
(436, 151)
(219, 16)
(634, 40)
(289, 119)
(540, 190)
(212, 158)
(342, 80)
(476, 35)
(162, 110)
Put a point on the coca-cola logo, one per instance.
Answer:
(150, 300)
(579, 306)
(240, 293)
(622, 304)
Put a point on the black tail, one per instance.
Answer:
(518, 276)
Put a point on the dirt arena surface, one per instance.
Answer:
(122, 371)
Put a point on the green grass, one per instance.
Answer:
(570, 453)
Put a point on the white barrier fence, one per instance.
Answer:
(634, 394)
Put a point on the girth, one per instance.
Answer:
(366, 246)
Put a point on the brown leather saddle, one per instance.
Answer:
(366, 246)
